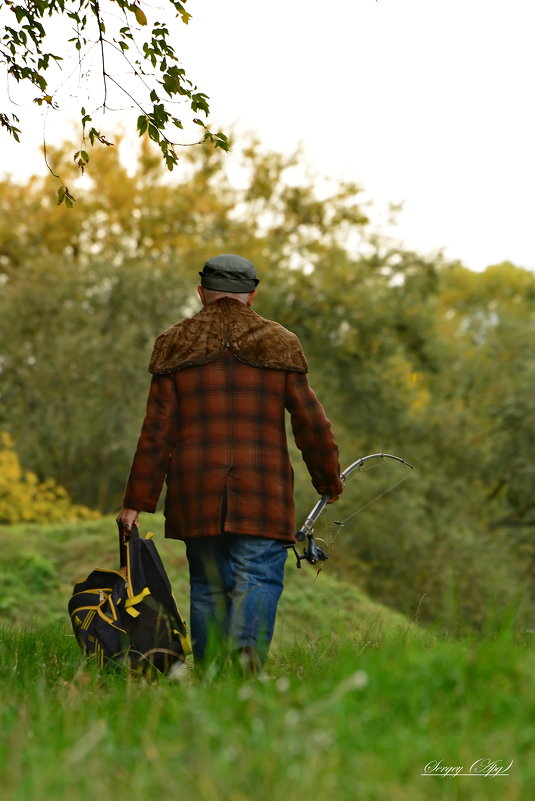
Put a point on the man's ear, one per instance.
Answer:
(200, 290)
(250, 297)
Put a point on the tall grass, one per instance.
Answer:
(357, 700)
(336, 718)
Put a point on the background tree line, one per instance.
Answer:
(409, 355)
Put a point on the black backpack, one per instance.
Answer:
(129, 617)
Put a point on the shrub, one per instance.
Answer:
(25, 499)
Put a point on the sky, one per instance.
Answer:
(428, 103)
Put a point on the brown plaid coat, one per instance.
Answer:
(216, 432)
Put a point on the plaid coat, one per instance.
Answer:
(216, 433)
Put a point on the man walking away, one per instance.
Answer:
(215, 431)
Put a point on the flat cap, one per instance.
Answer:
(229, 273)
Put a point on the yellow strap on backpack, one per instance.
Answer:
(131, 602)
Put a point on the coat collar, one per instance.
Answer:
(227, 323)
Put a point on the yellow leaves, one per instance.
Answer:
(139, 14)
(401, 377)
(45, 99)
(184, 16)
(421, 396)
(24, 499)
(10, 469)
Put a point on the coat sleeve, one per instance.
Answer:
(154, 446)
(313, 435)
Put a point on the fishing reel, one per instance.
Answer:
(312, 552)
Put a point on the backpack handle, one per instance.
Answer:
(134, 533)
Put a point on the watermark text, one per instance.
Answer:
(481, 767)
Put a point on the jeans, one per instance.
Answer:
(235, 585)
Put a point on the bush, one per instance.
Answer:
(25, 499)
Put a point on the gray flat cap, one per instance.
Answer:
(229, 273)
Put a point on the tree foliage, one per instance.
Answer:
(409, 355)
(136, 60)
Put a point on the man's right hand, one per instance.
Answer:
(127, 518)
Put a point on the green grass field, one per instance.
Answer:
(357, 702)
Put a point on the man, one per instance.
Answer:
(215, 430)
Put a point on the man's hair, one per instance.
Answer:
(214, 294)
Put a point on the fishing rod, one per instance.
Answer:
(312, 552)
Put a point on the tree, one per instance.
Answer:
(79, 299)
(136, 62)
(411, 355)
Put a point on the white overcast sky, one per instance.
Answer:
(426, 102)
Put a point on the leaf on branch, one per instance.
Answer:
(221, 141)
(142, 123)
(27, 60)
(199, 102)
(64, 196)
(169, 155)
(45, 99)
(182, 13)
(10, 128)
(81, 158)
(20, 12)
(94, 134)
(139, 14)
(218, 140)
(154, 133)
(85, 118)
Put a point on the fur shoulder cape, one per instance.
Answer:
(227, 323)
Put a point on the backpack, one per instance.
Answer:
(128, 617)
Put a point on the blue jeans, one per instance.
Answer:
(235, 585)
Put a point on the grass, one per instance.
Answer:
(40, 564)
(357, 702)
